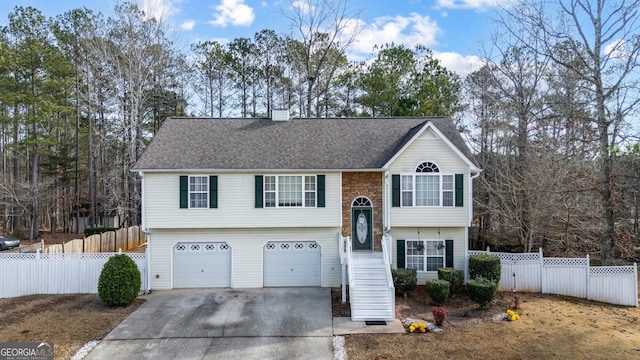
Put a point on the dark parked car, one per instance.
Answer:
(8, 243)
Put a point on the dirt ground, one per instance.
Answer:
(70, 321)
(551, 327)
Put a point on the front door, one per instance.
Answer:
(361, 228)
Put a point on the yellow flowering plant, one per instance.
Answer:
(420, 326)
(512, 315)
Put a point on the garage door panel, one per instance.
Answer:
(292, 263)
(202, 265)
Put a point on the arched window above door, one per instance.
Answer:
(361, 201)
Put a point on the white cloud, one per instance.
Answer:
(158, 9)
(304, 6)
(232, 12)
(617, 50)
(473, 4)
(458, 63)
(188, 25)
(408, 30)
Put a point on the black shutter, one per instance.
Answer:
(320, 189)
(448, 253)
(184, 192)
(259, 192)
(395, 190)
(400, 253)
(459, 190)
(213, 192)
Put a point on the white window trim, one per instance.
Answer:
(425, 255)
(441, 190)
(190, 192)
(277, 193)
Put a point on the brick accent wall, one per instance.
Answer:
(367, 184)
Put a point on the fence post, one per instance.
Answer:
(541, 270)
(635, 277)
(587, 277)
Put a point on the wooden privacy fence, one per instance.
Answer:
(109, 241)
(38, 273)
(532, 272)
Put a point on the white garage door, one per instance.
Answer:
(292, 263)
(201, 265)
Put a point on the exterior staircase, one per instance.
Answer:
(371, 291)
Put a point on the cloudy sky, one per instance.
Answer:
(453, 29)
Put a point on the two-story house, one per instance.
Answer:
(247, 203)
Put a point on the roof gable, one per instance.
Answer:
(448, 134)
(297, 144)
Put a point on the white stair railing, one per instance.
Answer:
(386, 254)
(349, 257)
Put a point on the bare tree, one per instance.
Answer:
(605, 36)
(325, 29)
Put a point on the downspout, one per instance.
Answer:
(341, 245)
(466, 234)
(386, 209)
(146, 231)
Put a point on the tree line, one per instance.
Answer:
(549, 117)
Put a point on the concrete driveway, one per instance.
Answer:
(271, 323)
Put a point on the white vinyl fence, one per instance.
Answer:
(532, 272)
(42, 273)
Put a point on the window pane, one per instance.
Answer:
(434, 263)
(310, 191)
(198, 191)
(290, 191)
(415, 255)
(270, 183)
(407, 190)
(427, 190)
(198, 200)
(270, 199)
(447, 190)
(310, 183)
(447, 182)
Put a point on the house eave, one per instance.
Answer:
(253, 171)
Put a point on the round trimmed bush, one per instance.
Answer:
(119, 282)
(486, 266)
(482, 290)
(438, 290)
(454, 277)
(404, 280)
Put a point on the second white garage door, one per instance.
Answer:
(292, 263)
(198, 265)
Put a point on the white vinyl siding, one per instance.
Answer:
(247, 252)
(439, 234)
(238, 202)
(418, 216)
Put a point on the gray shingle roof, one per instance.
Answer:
(327, 143)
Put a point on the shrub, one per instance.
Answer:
(438, 290)
(454, 277)
(97, 230)
(482, 290)
(119, 282)
(486, 266)
(439, 314)
(404, 280)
